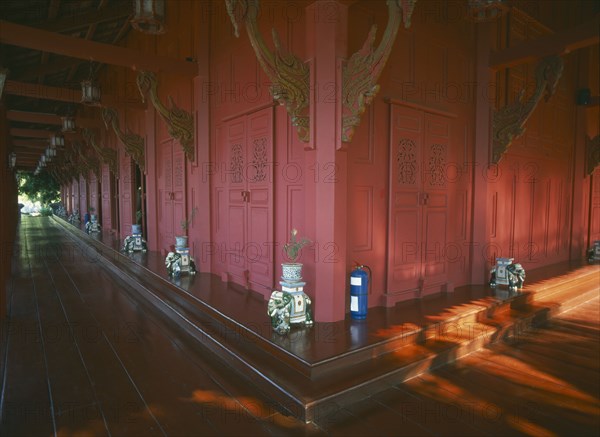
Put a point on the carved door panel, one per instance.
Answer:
(418, 202)
(249, 255)
(171, 192)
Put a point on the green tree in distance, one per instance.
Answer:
(42, 188)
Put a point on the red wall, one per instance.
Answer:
(351, 200)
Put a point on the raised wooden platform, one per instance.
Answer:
(313, 371)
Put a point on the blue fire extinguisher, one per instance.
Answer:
(359, 291)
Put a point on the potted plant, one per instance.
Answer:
(181, 240)
(292, 271)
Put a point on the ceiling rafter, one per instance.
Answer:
(52, 13)
(51, 119)
(88, 36)
(100, 15)
(559, 43)
(48, 68)
(69, 95)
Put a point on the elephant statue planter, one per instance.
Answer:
(74, 218)
(507, 273)
(135, 242)
(177, 263)
(289, 308)
(92, 225)
(593, 253)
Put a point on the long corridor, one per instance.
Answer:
(82, 356)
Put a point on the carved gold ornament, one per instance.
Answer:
(134, 144)
(509, 122)
(180, 122)
(361, 72)
(106, 154)
(83, 164)
(290, 76)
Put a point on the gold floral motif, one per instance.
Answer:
(290, 76)
(134, 144)
(509, 122)
(361, 72)
(180, 122)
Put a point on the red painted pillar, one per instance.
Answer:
(151, 176)
(198, 174)
(326, 188)
(480, 236)
(581, 182)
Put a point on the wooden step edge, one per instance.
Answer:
(582, 274)
(182, 301)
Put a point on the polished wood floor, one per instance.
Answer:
(80, 356)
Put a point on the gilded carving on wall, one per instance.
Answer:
(106, 154)
(361, 72)
(134, 144)
(84, 164)
(290, 76)
(509, 121)
(592, 153)
(180, 122)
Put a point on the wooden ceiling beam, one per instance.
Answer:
(559, 43)
(40, 134)
(36, 39)
(18, 142)
(70, 95)
(52, 13)
(48, 68)
(89, 34)
(30, 133)
(51, 119)
(33, 117)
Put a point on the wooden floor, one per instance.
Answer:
(81, 357)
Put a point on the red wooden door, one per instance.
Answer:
(75, 195)
(93, 187)
(249, 253)
(171, 192)
(259, 198)
(126, 192)
(435, 202)
(236, 205)
(418, 202)
(594, 226)
(83, 198)
(107, 209)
